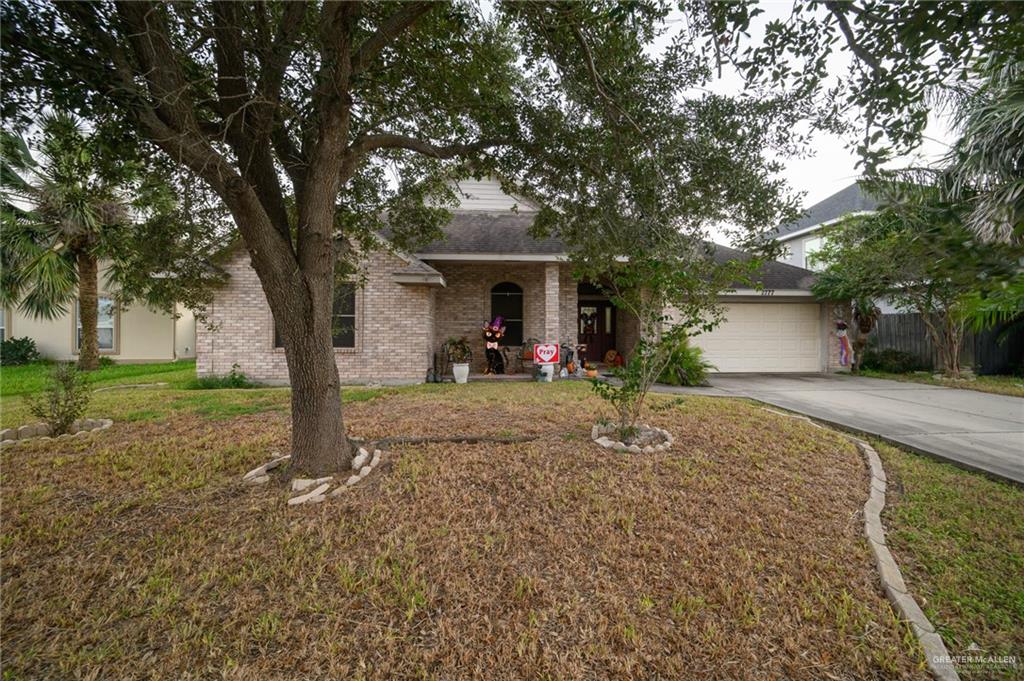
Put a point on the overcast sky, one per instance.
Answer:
(831, 165)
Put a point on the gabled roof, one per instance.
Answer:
(491, 233)
(772, 274)
(852, 199)
(507, 234)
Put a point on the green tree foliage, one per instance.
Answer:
(64, 400)
(917, 253)
(83, 198)
(316, 124)
(58, 215)
(985, 167)
(901, 52)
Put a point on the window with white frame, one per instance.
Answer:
(106, 325)
(812, 246)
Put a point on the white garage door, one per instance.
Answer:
(771, 337)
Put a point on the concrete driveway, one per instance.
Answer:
(974, 429)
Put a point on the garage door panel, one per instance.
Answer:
(779, 337)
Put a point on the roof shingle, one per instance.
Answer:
(852, 199)
(486, 232)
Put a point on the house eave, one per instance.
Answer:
(421, 279)
(495, 257)
(769, 293)
(814, 228)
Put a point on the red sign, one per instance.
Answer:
(545, 353)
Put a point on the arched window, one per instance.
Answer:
(507, 301)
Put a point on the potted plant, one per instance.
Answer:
(591, 369)
(459, 355)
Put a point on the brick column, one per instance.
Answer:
(551, 300)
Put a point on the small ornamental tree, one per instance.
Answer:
(64, 399)
(917, 253)
(670, 298)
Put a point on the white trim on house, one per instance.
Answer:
(490, 257)
(419, 278)
(813, 228)
(770, 293)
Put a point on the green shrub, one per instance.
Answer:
(233, 379)
(686, 366)
(63, 401)
(893, 361)
(14, 351)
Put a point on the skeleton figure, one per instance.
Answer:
(493, 333)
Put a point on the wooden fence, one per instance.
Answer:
(982, 351)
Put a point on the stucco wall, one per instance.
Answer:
(394, 331)
(794, 254)
(140, 334)
(185, 334)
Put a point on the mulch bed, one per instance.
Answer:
(736, 554)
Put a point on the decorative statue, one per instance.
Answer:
(493, 333)
(844, 343)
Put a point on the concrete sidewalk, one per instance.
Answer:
(973, 429)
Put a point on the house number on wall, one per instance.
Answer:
(768, 292)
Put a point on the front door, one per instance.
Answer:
(596, 327)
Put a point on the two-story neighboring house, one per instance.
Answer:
(803, 237)
(125, 334)
(391, 328)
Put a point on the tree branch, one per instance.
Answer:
(837, 10)
(364, 144)
(390, 29)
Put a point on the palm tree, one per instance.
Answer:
(985, 166)
(57, 215)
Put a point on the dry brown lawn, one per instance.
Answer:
(737, 554)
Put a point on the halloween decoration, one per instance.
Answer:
(844, 343)
(493, 333)
(613, 358)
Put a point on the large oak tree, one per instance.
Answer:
(316, 123)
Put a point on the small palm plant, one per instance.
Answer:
(58, 215)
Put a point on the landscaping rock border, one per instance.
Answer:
(41, 431)
(362, 465)
(936, 654)
(599, 434)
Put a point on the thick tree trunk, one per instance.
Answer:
(860, 342)
(88, 303)
(948, 341)
(319, 444)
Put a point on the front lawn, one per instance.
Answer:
(999, 385)
(959, 538)
(739, 553)
(30, 378)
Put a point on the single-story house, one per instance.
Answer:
(391, 329)
(126, 334)
(803, 237)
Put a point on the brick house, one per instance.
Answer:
(391, 329)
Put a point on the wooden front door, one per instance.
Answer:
(596, 327)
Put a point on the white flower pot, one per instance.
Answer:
(461, 371)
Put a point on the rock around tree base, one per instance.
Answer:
(648, 439)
